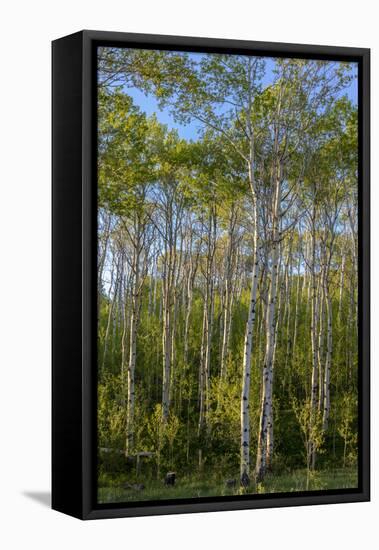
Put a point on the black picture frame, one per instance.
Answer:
(74, 275)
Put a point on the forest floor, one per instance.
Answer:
(119, 491)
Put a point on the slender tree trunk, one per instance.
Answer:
(208, 314)
(265, 450)
(166, 343)
(124, 338)
(113, 285)
(228, 294)
(204, 339)
(133, 351)
(342, 283)
(320, 345)
(299, 293)
(249, 331)
(328, 360)
(246, 376)
(314, 344)
(103, 255)
(187, 324)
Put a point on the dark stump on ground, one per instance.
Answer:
(245, 481)
(170, 479)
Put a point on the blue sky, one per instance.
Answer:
(149, 104)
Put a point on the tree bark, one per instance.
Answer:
(265, 444)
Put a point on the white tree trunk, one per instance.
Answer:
(133, 351)
(342, 283)
(228, 297)
(265, 441)
(113, 286)
(204, 339)
(246, 375)
(328, 361)
(205, 359)
(314, 344)
(166, 343)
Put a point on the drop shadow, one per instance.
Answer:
(42, 497)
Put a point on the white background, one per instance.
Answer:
(27, 27)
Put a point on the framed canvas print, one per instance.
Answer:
(210, 275)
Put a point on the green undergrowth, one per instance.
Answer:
(112, 490)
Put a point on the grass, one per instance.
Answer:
(113, 491)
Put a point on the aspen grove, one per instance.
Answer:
(227, 274)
